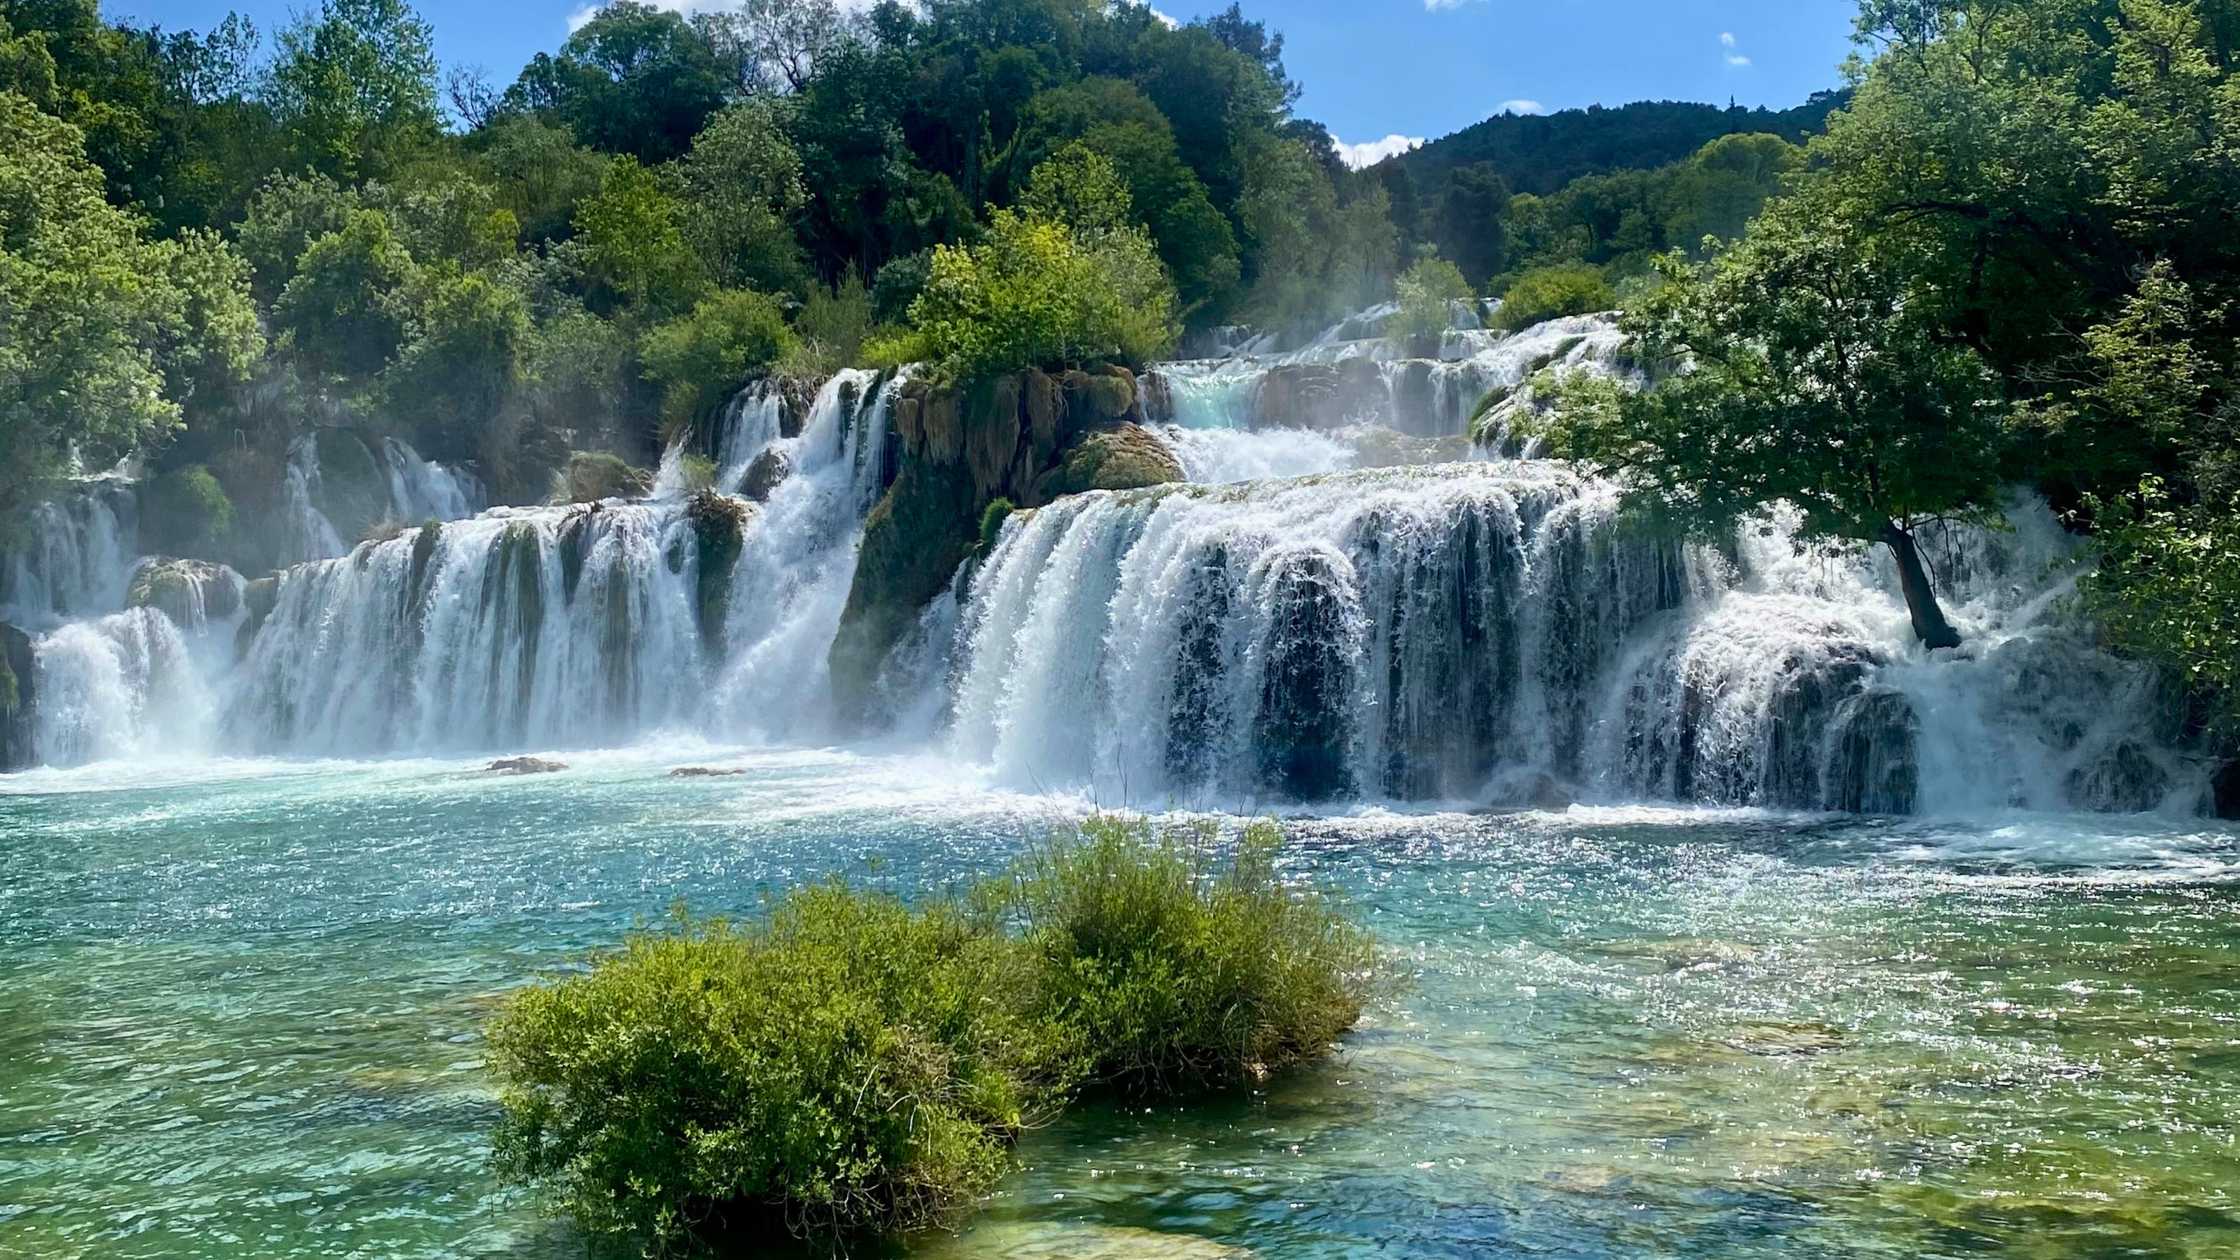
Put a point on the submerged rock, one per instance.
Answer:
(1070, 1241)
(524, 765)
(702, 772)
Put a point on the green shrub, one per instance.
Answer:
(1179, 973)
(991, 522)
(594, 475)
(1554, 292)
(857, 1065)
(851, 1064)
(1428, 292)
(1039, 291)
(700, 358)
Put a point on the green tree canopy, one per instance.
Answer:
(102, 331)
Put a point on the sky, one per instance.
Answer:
(1378, 73)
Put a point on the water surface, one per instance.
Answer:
(239, 1005)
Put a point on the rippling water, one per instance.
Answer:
(239, 1005)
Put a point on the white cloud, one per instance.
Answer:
(1520, 107)
(1164, 20)
(1371, 152)
(1726, 41)
(1436, 5)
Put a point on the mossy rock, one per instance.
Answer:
(181, 589)
(1112, 457)
(353, 491)
(913, 542)
(719, 527)
(17, 701)
(769, 469)
(591, 476)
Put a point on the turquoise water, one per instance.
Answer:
(239, 1006)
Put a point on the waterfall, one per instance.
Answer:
(1401, 633)
(394, 485)
(1494, 632)
(128, 684)
(75, 558)
(578, 626)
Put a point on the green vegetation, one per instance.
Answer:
(2010, 259)
(701, 358)
(1428, 294)
(1069, 281)
(853, 1064)
(1554, 292)
(1179, 974)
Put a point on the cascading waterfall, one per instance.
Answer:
(75, 559)
(1400, 633)
(411, 490)
(575, 626)
(1328, 613)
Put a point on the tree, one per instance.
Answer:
(1040, 291)
(634, 79)
(344, 312)
(1429, 291)
(742, 185)
(630, 243)
(101, 329)
(1802, 372)
(354, 86)
(1470, 221)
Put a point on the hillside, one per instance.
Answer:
(1540, 153)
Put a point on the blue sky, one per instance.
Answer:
(1372, 68)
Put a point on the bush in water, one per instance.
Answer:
(851, 1064)
(1181, 974)
(858, 1065)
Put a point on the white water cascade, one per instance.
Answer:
(576, 626)
(75, 559)
(408, 490)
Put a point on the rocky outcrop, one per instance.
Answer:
(1029, 438)
(1319, 395)
(17, 700)
(352, 491)
(193, 593)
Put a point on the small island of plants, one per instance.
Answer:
(854, 1064)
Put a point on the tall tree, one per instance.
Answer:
(354, 86)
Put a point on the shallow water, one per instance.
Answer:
(239, 1005)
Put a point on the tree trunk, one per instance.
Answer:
(1929, 624)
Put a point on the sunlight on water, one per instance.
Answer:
(240, 1002)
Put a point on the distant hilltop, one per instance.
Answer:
(1540, 153)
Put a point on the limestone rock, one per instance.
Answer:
(524, 765)
(1114, 457)
(18, 702)
(190, 592)
(769, 468)
(702, 772)
(913, 542)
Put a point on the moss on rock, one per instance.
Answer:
(913, 542)
(719, 526)
(17, 699)
(189, 592)
(1114, 457)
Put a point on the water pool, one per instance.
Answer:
(239, 1005)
